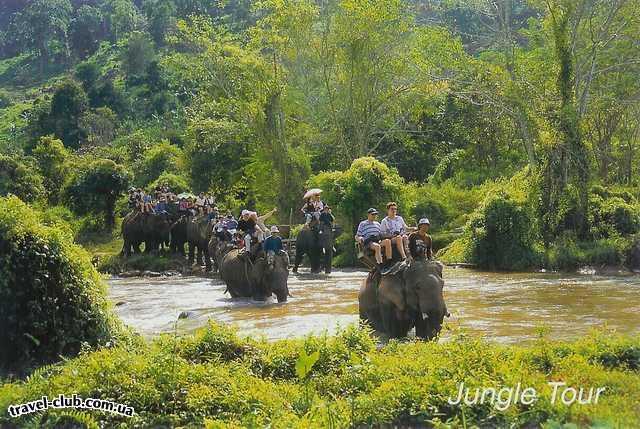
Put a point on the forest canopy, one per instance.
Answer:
(253, 101)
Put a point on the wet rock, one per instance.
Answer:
(186, 315)
(119, 303)
(151, 274)
(171, 273)
(134, 273)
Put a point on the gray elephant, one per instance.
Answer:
(217, 250)
(317, 243)
(198, 234)
(258, 280)
(179, 235)
(138, 228)
(410, 298)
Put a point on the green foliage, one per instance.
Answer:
(215, 144)
(115, 263)
(68, 104)
(51, 298)
(20, 179)
(612, 215)
(567, 253)
(367, 183)
(176, 183)
(217, 379)
(137, 55)
(305, 363)
(502, 234)
(51, 155)
(96, 187)
(162, 158)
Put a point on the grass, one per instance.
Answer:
(214, 378)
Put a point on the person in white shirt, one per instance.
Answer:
(394, 230)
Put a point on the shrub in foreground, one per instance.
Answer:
(52, 300)
(218, 379)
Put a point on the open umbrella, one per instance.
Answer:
(185, 195)
(311, 192)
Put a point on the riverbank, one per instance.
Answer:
(217, 379)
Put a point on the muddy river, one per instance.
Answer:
(503, 307)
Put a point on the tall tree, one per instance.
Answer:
(45, 28)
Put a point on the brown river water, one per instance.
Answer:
(502, 307)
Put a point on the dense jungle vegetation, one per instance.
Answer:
(513, 125)
(504, 122)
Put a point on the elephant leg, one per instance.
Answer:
(136, 248)
(207, 258)
(314, 259)
(328, 258)
(430, 327)
(192, 250)
(299, 256)
(388, 321)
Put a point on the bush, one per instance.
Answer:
(569, 254)
(501, 235)
(612, 216)
(95, 188)
(161, 158)
(51, 155)
(176, 183)
(19, 179)
(367, 183)
(215, 378)
(51, 298)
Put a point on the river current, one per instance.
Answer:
(503, 307)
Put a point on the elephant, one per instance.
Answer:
(198, 233)
(217, 250)
(138, 228)
(412, 297)
(318, 244)
(179, 235)
(258, 280)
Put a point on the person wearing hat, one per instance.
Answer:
(368, 234)
(273, 244)
(247, 224)
(420, 243)
(326, 217)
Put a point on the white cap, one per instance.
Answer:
(424, 221)
(245, 212)
(274, 229)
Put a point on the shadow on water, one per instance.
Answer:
(504, 307)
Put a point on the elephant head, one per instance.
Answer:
(199, 229)
(423, 282)
(271, 277)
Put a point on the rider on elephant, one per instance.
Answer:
(420, 243)
(273, 244)
(326, 217)
(368, 234)
(311, 209)
(394, 231)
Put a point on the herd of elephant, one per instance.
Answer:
(392, 304)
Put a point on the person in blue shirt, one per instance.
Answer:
(369, 234)
(272, 244)
(161, 206)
